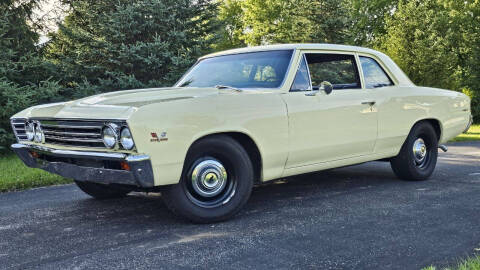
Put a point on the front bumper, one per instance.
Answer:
(98, 167)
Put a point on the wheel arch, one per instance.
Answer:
(436, 124)
(248, 143)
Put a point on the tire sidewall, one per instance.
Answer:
(427, 133)
(232, 155)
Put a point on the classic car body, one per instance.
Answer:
(285, 131)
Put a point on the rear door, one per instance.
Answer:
(330, 127)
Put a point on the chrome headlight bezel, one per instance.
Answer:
(109, 135)
(30, 130)
(126, 139)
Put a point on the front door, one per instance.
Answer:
(328, 127)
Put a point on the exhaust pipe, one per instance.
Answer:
(443, 147)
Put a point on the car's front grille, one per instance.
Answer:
(18, 126)
(73, 132)
(78, 133)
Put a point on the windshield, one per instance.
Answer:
(246, 70)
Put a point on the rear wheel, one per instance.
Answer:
(102, 192)
(216, 182)
(418, 157)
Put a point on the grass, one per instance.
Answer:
(473, 134)
(469, 264)
(14, 175)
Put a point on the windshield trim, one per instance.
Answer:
(282, 84)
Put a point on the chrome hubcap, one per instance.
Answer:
(209, 178)
(419, 150)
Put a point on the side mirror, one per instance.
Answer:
(327, 87)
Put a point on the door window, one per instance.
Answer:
(374, 74)
(338, 69)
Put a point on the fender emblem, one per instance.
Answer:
(156, 138)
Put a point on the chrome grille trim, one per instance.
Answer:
(71, 134)
(65, 139)
(71, 127)
(75, 132)
(18, 127)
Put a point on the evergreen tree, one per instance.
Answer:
(24, 76)
(123, 44)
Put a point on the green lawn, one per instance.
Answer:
(14, 175)
(473, 134)
(469, 264)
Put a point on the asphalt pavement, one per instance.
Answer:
(358, 217)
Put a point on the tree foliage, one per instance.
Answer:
(25, 79)
(105, 45)
(130, 44)
(437, 43)
(368, 19)
(256, 22)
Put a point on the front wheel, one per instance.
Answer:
(418, 157)
(216, 182)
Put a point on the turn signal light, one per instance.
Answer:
(124, 165)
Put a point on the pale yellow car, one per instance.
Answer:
(242, 117)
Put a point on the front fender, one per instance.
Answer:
(178, 124)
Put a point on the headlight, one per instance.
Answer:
(109, 136)
(126, 139)
(38, 134)
(30, 130)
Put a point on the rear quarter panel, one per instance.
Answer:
(401, 107)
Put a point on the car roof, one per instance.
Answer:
(302, 46)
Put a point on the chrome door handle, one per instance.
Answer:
(371, 103)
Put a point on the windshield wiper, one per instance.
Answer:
(218, 86)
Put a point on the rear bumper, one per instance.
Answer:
(89, 166)
(470, 122)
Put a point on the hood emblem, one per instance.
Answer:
(156, 138)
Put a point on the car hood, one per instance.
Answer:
(114, 105)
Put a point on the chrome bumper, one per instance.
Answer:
(469, 124)
(140, 171)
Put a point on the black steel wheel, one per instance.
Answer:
(418, 156)
(216, 182)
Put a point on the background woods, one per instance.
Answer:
(105, 45)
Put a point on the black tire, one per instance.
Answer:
(102, 192)
(230, 187)
(409, 165)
